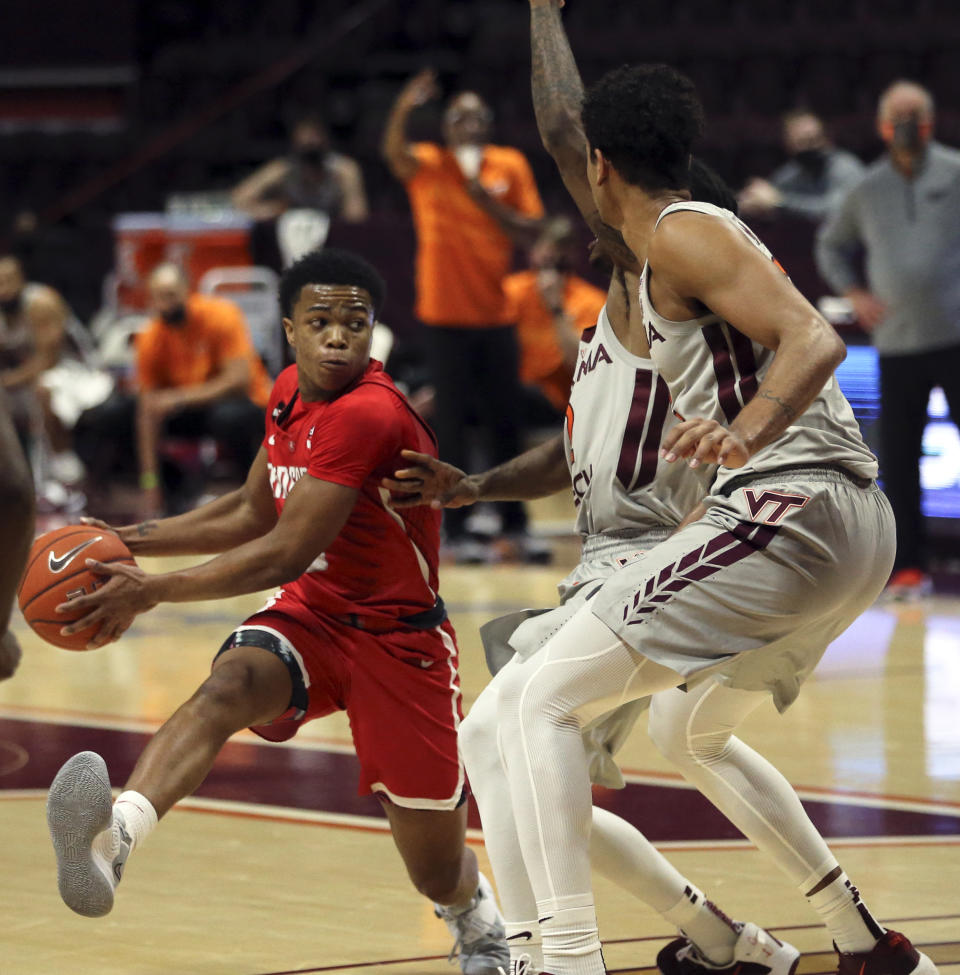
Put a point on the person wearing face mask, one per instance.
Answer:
(904, 217)
(814, 179)
(197, 374)
(551, 306)
(472, 203)
(294, 198)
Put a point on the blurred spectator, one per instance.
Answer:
(471, 202)
(814, 180)
(48, 378)
(551, 306)
(32, 327)
(294, 198)
(905, 217)
(198, 375)
(16, 528)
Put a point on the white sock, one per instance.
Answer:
(139, 816)
(705, 925)
(521, 945)
(571, 941)
(851, 925)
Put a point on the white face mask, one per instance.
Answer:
(469, 159)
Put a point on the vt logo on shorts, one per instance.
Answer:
(782, 503)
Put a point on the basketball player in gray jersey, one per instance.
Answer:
(628, 499)
(694, 729)
(751, 591)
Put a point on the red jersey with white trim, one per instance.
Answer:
(384, 562)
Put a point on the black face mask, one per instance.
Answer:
(11, 306)
(906, 135)
(812, 161)
(175, 316)
(312, 155)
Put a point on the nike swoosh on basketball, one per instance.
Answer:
(58, 563)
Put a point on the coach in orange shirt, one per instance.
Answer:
(552, 306)
(198, 375)
(471, 202)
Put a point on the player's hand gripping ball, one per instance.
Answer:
(57, 572)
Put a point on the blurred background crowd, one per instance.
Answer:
(161, 163)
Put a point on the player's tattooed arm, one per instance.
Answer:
(785, 408)
(557, 99)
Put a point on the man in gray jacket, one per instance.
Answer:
(904, 217)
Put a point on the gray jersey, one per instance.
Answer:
(619, 410)
(713, 371)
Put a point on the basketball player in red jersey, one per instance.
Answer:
(17, 499)
(358, 624)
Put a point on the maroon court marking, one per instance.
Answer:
(326, 782)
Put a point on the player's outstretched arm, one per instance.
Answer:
(537, 473)
(314, 513)
(221, 524)
(557, 101)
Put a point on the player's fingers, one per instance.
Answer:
(78, 603)
(95, 523)
(420, 474)
(732, 453)
(81, 624)
(707, 451)
(686, 443)
(106, 568)
(411, 486)
(413, 501)
(674, 436)
(424, 460)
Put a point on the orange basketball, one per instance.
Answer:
(57, 571)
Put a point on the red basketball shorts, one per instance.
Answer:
(401, 692)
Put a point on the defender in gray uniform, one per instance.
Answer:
(749, 592)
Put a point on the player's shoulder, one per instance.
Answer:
(375, 394)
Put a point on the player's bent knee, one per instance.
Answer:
(228, 694)
(670, 734)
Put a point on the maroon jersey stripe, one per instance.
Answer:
(633, 432)
(746, 363)
(723, 368)
(651, 442)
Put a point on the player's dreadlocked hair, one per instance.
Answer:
(330, 266)
(644, 118)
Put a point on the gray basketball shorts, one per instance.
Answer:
(753, 592)
(524, 632)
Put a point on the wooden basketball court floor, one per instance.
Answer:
(276, 867)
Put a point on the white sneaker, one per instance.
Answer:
(480, 939)
(90, 840)
(757, 952)
(521, 966)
